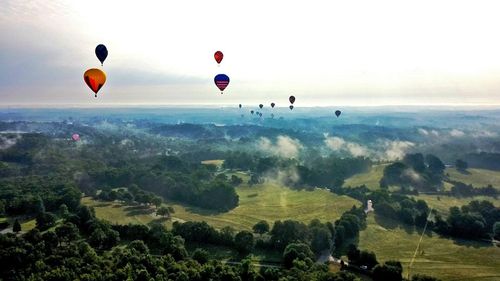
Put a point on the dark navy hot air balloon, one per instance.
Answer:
(291, 107)
(291, 99)
(261, 106)
(251, 111)
(273, 104)
(240, 105)
(101, 52)
(221, 81)
(337, 113)
(218, 56)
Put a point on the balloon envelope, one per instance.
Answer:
(251, 111)
(291, 107)
(240, 105)
(221, 81)
(291, 99)
(218, 56)
(75, 137)
(273, 104)
(101, 52)
(261, 105)
(95, 79)
(338, 112)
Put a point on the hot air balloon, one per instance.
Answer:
(260, 114)
(291, 99)
(251, 111)
(240, 105)
(101, 52)
(291, 107)
(75, 137)
(261, 106)
(95, 79)
(221, 81)
(218, 56)
(273, 104)
(337, 112)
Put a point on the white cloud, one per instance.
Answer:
(284, 146)
(356, 149)
(396, 149)
(334, 143)
(339, 144)
(456, 133)
(423, 132)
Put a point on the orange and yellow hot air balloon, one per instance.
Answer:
(95, 79)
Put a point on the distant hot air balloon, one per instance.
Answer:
(240, 105)
(95, 79)
(291, 99)
(218, 56)
(261, 106)
(221, 81)
(75, 137)
(260, 114)
(101, 52)
(251, 111)
(338, 112)
(291, 107)
(273, 104)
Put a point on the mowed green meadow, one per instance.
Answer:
(443, 203)
(269, 201)
(370, 178)
(439, 257)
(476, 177)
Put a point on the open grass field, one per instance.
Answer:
(370, 178)
(443, 258)
(119, 213)
(271, 202)
(476, 177)
(268, 201)
(445, 202)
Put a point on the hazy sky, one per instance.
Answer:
(323, 52)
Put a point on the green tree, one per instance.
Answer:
(45, 221)
(436, 166)
(165, 212)
(201, 256)
(157, 201)
(67, 232)
(299, 251)
(63, 211)
(390, 271)
(321, 238)
(461, 165)
(496, 230)
(261, 227)
(244, 242)
(235, 180)
(16, 227)
(139, 247)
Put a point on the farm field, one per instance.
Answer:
(370, 178)
(441, 257)
(476, 177)
(444, 203)
(269, 201)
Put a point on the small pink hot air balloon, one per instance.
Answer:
(75, 137)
